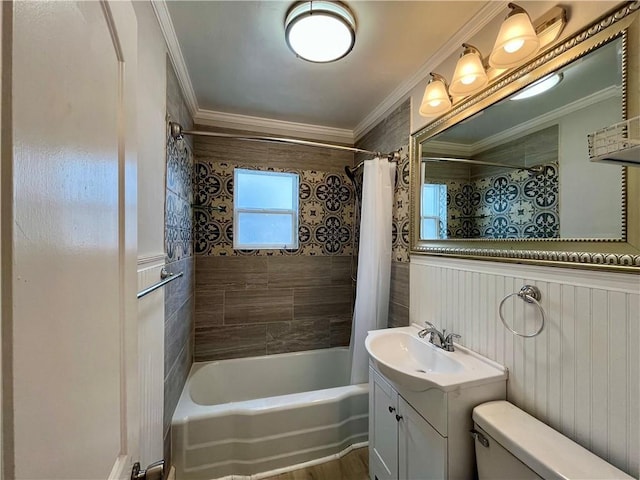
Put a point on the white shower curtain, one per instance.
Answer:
(374, 261)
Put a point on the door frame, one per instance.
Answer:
(121, 20)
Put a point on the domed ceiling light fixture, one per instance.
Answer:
(470, 75)
(541, 86)
(320, 31)
(436, 99)
(516, 41)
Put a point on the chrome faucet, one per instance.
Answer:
(433, 332)
(438, 338)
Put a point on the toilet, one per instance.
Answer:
(511, 444)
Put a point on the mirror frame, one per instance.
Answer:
(609, 254)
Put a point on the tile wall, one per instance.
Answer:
(389, 135)
(273, 301)
(179, 294)
(258, 302)
(492, 202)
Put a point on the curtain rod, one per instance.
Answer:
(536, 169)
(177, 132)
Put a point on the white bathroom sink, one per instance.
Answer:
(414, 363)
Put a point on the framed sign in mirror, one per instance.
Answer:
(505, 174)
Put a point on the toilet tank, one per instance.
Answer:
(518, 446)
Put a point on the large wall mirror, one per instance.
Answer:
(506, 174)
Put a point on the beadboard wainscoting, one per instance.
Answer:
(581, 374)
(151, 360)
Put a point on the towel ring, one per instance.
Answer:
(530, 294)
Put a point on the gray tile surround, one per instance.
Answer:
(399, 293)
(389, 135)
(179, 294)
(256, 305)
(261, 305)
(285, 337)
(216, 342)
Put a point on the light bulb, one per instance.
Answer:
(468, 79)
(513, 46)
(436, 99)
(516, 42)
(469, 76)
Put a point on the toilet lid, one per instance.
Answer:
(546, 451)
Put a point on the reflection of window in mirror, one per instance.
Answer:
(433, 212)
(483, 160)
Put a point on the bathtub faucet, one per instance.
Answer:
(438, 338)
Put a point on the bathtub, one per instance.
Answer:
(260, 416)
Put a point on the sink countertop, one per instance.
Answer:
(417, 364)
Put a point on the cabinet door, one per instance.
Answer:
(422, 450)
(383, 429)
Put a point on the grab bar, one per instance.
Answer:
(166, 276)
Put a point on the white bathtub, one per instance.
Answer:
(253, 417)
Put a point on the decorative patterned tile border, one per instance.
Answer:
(326, 211)
(508, 205)
(400, 232)
(179, 197)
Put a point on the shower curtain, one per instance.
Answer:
(374, 261)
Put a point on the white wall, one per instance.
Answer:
(152, 131)
(152, 65)
(581, 374)
(1, 231)
(579, 209)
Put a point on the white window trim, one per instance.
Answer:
(441, 218)
(294, 213)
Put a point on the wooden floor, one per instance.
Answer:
(353, 466)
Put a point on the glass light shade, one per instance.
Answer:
(320, 31)
(470, 75)
(436, 99)
(516, 41)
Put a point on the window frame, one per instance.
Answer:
(442, 215)
(293, 212)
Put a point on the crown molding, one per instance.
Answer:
(450, 148)
(265, 125)
(175, 54)
(513, 133)
(272, 127)
(518, 130)
(468, 30)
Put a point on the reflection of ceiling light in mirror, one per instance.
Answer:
(320, 31)
(436, 98)
(539, 87)
(516, 41)
(470, 75)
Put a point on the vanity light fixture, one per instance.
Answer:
(541, 86)
(516, 41)
(470, 75)
(320, 31)
(436, 99)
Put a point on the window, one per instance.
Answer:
(265, 209)
(433, 211)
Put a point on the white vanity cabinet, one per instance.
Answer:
(423, 435)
